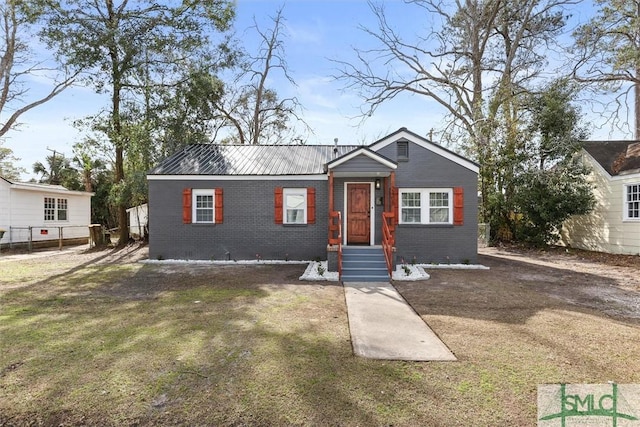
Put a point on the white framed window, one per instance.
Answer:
(203, 206)
(62, 209)
(55, 209)
(49, 209)
(440, 207)
(411, 206)
(295, 205)
(632, 202)
(426, 206)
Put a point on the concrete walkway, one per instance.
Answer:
(384, 326)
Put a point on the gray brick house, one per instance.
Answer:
(300, 202)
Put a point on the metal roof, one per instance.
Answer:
(616, 157)
(48, 188)
(38, 185)
(213, 159)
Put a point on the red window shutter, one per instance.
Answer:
(394, 204)
(278, 205)
(186, 206)
(458, 206)
(219, 205)
(311, 205)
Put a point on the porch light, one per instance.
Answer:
(377, 183)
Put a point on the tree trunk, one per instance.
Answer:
(272, 42)
(637, 101)
(123, 230)
(87, 180)
(636, 87)
(117, 137)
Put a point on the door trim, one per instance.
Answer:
(372, 208)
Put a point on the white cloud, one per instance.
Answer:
(303, 33)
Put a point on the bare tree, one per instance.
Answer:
(607, 54)
(253, 110)
(475, 62)
(16, 65)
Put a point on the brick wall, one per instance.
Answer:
(436, 243)
(248, 227)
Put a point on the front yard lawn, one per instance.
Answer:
(98, 339)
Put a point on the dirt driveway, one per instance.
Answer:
(522, 283)
(610, 284)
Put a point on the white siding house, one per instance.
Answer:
(138, 220)
(614, 225)
(48, 209)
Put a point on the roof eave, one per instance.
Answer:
(195, 177)
(364, 151)
(44, 189)
(404, 133)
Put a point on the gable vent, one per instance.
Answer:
(403, 150)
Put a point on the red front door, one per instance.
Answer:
(358, 213)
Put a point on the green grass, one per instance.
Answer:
(122, 344)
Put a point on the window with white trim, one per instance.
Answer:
(61, 209)
(426, 206)
(55, 209)
(49, 209)
(203, 206)
(295, 205)
(632, 202)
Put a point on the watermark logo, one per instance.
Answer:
(572, 405)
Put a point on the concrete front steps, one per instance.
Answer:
(364, 264)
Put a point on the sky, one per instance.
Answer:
(317, 32)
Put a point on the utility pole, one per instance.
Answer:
(54, 179)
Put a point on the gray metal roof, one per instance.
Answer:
(213, 159)
(616, 157)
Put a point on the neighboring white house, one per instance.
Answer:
(138, 220)
(48, 209)
(614, 225)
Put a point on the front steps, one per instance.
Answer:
(364, 264)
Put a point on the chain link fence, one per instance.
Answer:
(46, 236)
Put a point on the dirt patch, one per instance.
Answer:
(79, 254)
(605, 282)
(518, 277)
